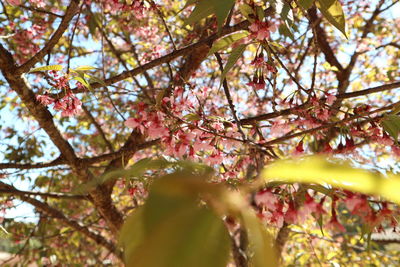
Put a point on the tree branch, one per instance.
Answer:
(98, 128)
(289, 111)
(100, 195)
(45, 208)
(56, 162)
(322, 39)
(17, 192)
(171, 56)
(69, 14)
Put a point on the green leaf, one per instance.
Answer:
(222, 8)
(246, 11)
(391, 124)
(46, 68)
(318, 170)
(320, 222)
(283, 9)
(82, 81)
(286, 14)
(333, 12)
(192, 117)
(285, 31)
(202, 10)
(260, 13)
(93, 22)
(226, 41)
(306, 4)
(190, 2)
(85, 67)
(235, 55)
(3, 233)
(97, 80)
(172, 229)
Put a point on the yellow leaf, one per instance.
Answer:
(319, 170)
(333, 12)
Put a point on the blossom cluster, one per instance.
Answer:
(261, 30)
(261, 68)
(37, 3)
(276, 209)
(25, 39)
(69, 105)
(184, 134)
(137, 7)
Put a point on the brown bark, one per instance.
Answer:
(17, 82)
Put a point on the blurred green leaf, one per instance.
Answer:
(81, 80)
(261, 251)
(136, 170)
(172, 229)
(192, 117)
(285, 31)
(97, 80)
(306, 4)
(319, 170)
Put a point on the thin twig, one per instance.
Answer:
(72, 38)
(229, 98)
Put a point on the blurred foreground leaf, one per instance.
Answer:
(173, 229)
(261, 244)
(339, 174)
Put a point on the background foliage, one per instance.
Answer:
(199, 133)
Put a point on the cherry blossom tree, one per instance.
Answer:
(161, 133)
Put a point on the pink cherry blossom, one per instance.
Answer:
(330, 99)
(323, 114)
(265, 198)
(261, 30)
(385, 139)
(299, 149)
(292, 214)
(279, 128)
(70, 105)
(357, 205)
(134, 123)
(215, 158)
(45, 99)
(335, 225)
(14, 2)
